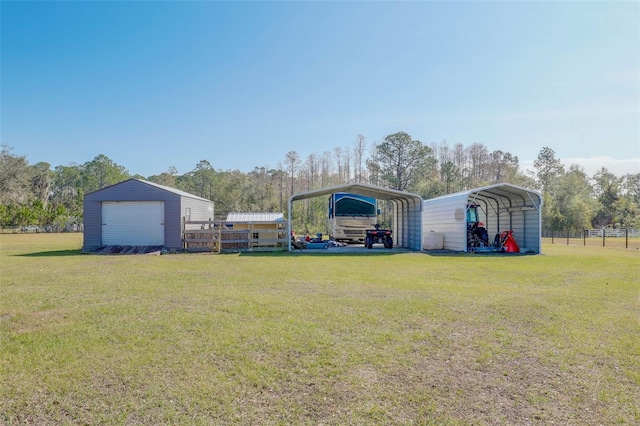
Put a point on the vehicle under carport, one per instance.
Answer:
(502, 207)
(406, 210)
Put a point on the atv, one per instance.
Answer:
(378, 235)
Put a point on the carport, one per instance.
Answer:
(406, 210)
(502, 207)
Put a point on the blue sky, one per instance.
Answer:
(159, 84)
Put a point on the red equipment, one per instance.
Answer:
(509, 243)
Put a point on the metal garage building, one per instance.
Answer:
(407, 208)
(140, 213)
(502, 207)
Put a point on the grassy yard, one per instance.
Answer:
(298, 339)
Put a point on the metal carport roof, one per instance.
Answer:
(407, 210)
(527, 198)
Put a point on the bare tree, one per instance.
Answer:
(337, 152)
(325, 168)
(292, 163)
(359, 148)
(311, 171)
(479, 156)
(347, 165)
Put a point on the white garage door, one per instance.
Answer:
(133, 223)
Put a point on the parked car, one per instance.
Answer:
(30, 228)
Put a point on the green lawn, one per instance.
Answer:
(298, 339)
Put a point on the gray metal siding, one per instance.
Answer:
(531, 232)
(199, 211)
(92, 224)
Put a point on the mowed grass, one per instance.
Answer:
(382, 338)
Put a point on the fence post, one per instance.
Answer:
(567, 237)
(184, 236)
(553, 233)
(213, 236)
(626, 238)
(603, 236)
(584, 237)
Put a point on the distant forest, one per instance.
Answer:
(52, 197)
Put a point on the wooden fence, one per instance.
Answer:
(227, 237)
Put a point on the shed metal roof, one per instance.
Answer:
(255, 217)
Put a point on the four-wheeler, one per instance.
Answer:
(378, 235)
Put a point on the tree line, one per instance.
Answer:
(44, 196)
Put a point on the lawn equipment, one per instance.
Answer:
(477, 236)
(506, 243)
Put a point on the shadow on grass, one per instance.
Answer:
(445, 253)
(56, 253)
(380, 252)
(331, 252)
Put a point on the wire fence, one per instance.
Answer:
(611, 238)
(33, 229)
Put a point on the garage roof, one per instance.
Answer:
(407, 217)
(157, 185)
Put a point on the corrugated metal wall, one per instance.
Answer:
(407, 223)
(446, 216)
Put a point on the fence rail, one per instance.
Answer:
(620, 238)
(224, 237)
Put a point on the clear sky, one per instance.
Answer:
(159, 84)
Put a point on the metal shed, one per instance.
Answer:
(407, 208)
(136, 212)
(501, 206)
